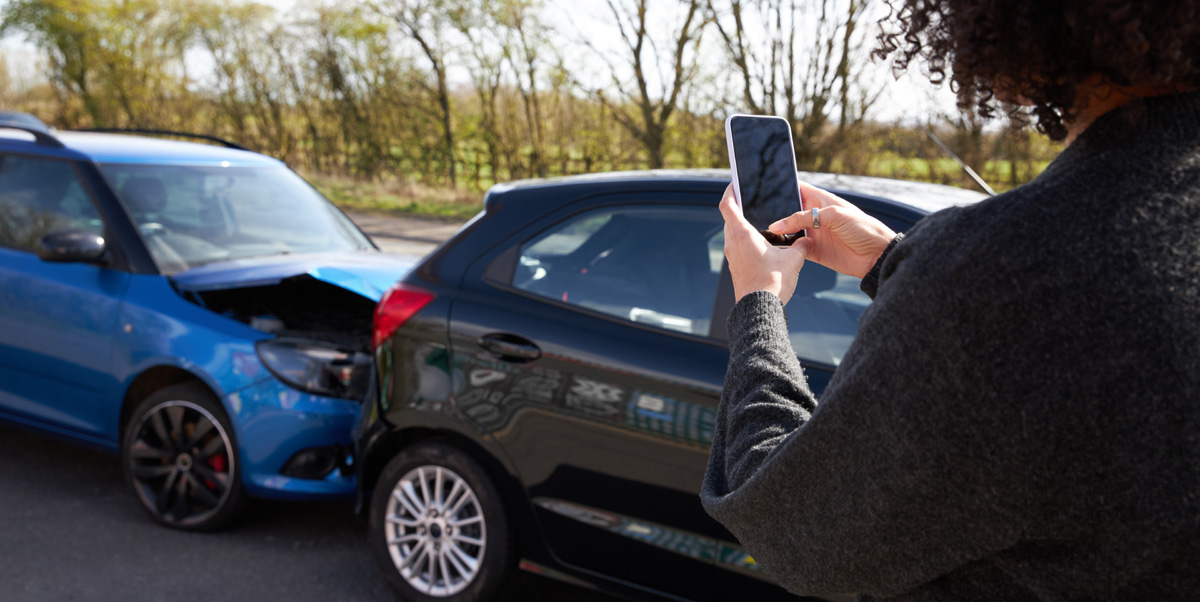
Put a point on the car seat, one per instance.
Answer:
(658, 272)
(145, 198)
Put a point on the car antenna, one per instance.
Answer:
(966, 168)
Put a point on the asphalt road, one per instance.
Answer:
(404, 235)
(71, 530)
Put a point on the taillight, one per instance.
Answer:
(397, 306)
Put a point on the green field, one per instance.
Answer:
(398, 199)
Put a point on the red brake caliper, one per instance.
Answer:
(217, 463)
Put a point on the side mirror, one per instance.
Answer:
(71, 246)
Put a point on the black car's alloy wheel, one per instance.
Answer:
(180, 458)
(438, 526)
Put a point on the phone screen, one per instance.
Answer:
(765, 165)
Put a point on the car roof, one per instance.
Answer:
(921, 195)
(124, 148)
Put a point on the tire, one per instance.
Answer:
(183, 479)
(456, 549)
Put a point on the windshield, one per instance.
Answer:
(191, 215)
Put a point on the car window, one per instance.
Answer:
(650, 265)
(895, 223)
(193, 215)
(39, 196)
(824, 311)
(823, 314)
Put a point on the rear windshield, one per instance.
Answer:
(190, 216)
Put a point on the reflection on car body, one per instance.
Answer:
(695, 546)
(494, 397)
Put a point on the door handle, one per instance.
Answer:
(510, 347)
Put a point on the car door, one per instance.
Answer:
(583, 346)
(57, 320)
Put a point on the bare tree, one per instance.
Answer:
(424, 22)
(801, 58)
(368, 90)
(485, 49)
(121, 61)
(245, 88)
(644, 112)
(523, 52)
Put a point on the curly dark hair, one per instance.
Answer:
(1039, 51)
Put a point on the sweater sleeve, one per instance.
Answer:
(773, 396)
(881, 487)
(870, 282)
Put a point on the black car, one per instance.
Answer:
(549, 379)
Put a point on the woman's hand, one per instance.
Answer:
(754, 263)
(848, 241)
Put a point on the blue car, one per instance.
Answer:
(200, 310)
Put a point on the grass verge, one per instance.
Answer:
(395, 198)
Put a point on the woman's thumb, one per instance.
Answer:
(798, 252)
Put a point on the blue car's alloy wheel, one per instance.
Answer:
(438, 526)
(180, 458)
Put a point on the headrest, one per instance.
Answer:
(144, 195)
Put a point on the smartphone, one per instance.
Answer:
(763, 162)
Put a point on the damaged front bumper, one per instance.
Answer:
(284, 432)
(294, 427)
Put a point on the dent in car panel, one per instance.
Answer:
(282, 422)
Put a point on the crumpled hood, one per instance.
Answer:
(367, 273)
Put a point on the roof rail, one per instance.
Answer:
(14, 120)
(221, 141)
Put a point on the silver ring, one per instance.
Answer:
(816, 218)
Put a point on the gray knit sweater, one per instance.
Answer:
(1019, 417)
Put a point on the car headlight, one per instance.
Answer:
(319, 368)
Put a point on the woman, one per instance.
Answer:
(1019, 417)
